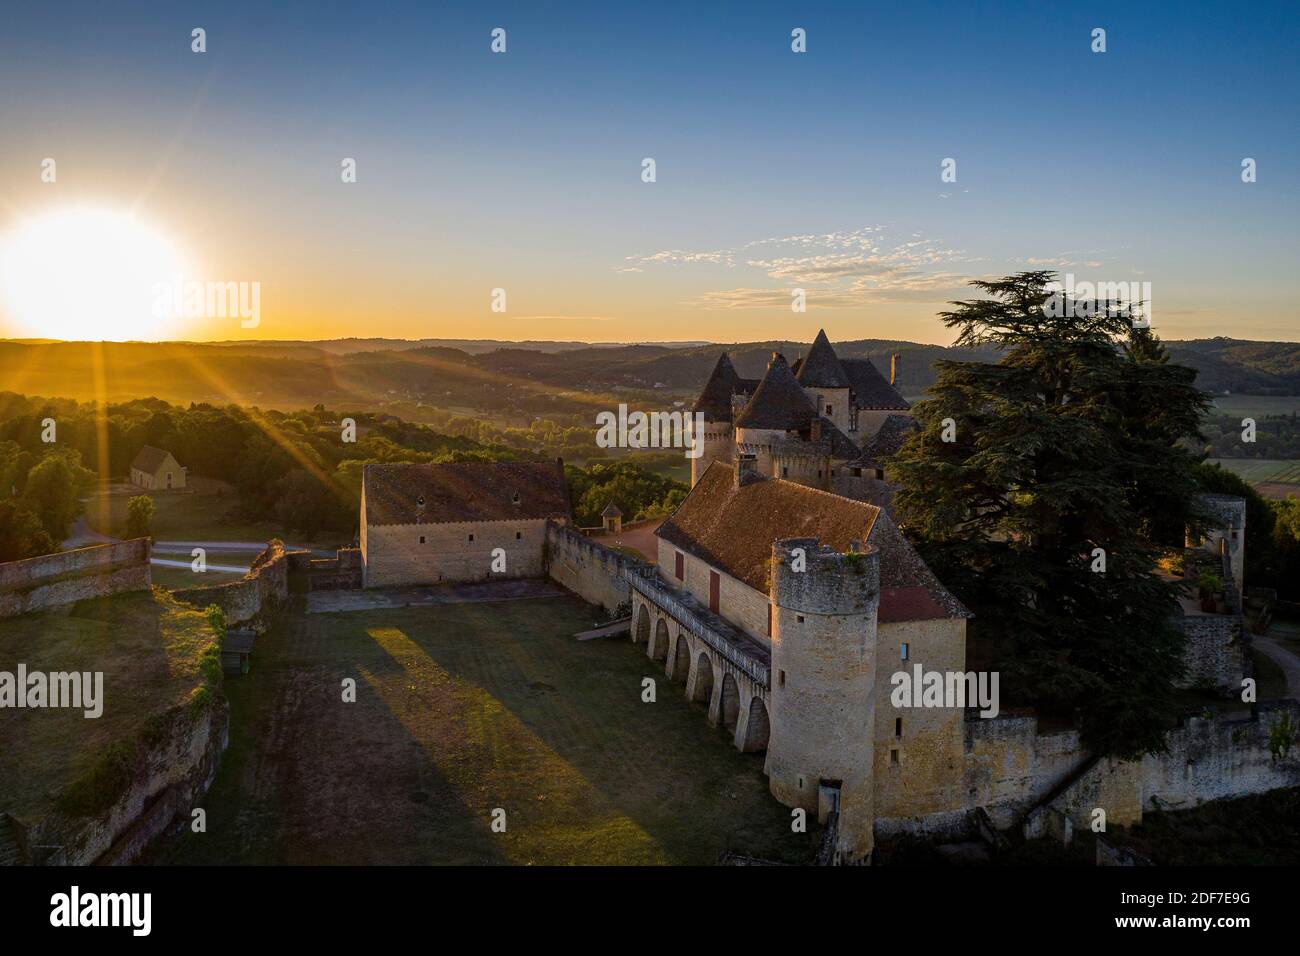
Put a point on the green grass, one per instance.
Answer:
(149, 649)
(1250, 831)
(462, 709)
(207, 511)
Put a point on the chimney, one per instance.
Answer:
(746, 469)
(893, 368)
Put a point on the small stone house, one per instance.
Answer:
(156, 470)
(612, 519)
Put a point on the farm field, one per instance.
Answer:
(1257, 470)
(1256, 405)
(461, 709)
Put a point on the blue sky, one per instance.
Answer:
(775, 170)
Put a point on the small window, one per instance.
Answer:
(420, 501)
(898, 726)
(421, 539)
(893, 757)
(519, 535)
(515, 498)
(799, 618)
(819, 472)
(680, 570)
(830, 410)
(780, 680)
(902, 651)
(857, 472)
(785, 472)
(471, 537)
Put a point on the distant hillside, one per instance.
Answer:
(469, 346)
(524, 379)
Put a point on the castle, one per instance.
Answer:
(825, 422)
(785, 598)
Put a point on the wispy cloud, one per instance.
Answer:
(836, 270)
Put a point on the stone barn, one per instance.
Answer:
(156, 470)
(458, 522)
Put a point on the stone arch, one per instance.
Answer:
(659, 645)
(729, 704)
(703, 688)
(757, 727)
(681, 661)
(642, 630)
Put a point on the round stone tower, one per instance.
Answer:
(719, 444)
(821, 748)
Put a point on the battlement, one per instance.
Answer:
(814, 578)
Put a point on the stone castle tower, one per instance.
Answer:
(820, 753)
(715, 404)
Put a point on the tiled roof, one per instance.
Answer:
(779, 402)
(465, 491)
(150, 459)
(870, 389)
(821, 369)
(715, 399)
(733, 529)
(905, 578)
(611, 511)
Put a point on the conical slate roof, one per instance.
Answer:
(870, 389)
(821, 369)
(779, 401)
(715, 400)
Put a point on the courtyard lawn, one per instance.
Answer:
(148, 648)
(461, 709)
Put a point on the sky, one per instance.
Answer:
(523, 170)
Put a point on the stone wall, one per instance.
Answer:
(595, 573)
(170, 778)
(1010, 767)
(261, 590)
(1208, 758)
(925, 777)
(69, 576)
(412, 554)
(1215, 651)
(740, 604)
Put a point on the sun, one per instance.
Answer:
(87, 274)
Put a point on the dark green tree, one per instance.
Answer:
(1026, 475)
(139, 517)
(21, 534)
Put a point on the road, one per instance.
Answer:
(1284, 658)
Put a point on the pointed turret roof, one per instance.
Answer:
(821, 369)
(779, 401)
(715, 400)
(870, 388)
